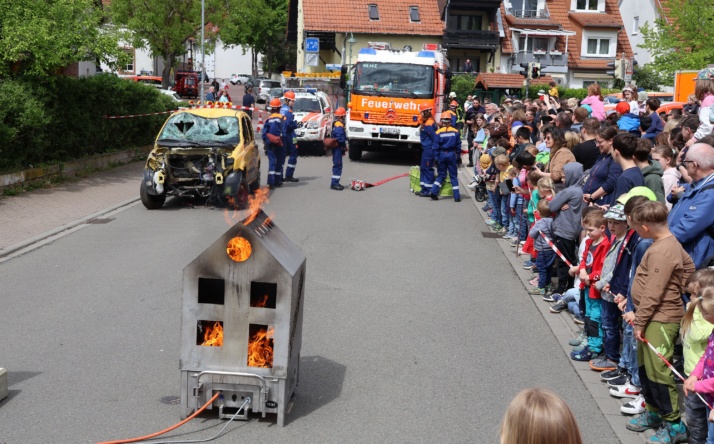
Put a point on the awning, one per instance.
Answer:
(544, 32)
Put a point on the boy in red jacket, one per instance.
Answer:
(589, 269)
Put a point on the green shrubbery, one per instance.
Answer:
(60, 118)
(565, 93)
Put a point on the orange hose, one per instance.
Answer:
(175, 426)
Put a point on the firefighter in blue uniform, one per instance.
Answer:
(274, 126)
(427, 134)
(449, 141)
(289, 138)
(338, 132)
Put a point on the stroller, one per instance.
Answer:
(478, 185)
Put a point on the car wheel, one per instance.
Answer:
(355, 151)
(150, 201)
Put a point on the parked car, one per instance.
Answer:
(667, 107)
(239, 79)
(206, 153)
(146, 80)
(313, 114)
(261, 89)
(173, 94)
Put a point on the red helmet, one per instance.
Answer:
(275, 103)
(454, 104)
(289, 95)
(340, 112)
(446, 115)
(425, 107)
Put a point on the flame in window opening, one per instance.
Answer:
(213, 336)
(239, 249)
(260, 348)
(262, 303)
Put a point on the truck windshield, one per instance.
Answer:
(394, 79)
(306, 105)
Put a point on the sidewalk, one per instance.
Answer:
(35, 215)
(564, 329)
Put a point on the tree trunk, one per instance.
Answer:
(169, 62)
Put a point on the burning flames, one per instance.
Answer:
(239, 249)
(262, 303)
(260, 348)
(255, 202)
(213, 336)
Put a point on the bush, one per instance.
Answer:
(62, 118)
(565, 93)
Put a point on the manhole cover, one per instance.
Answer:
(490, 235)
(171, 400)
(100, 221)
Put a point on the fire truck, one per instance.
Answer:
(388, 87)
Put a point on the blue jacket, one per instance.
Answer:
(656, 127)
(604, 173)
(274, 125)
(692, 217)
(638, 252)
(620, 281)
(449, 139)
(338, 132)
(629, 122)
(429, 141)
(290, 123)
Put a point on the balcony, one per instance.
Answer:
(530, 13)
(472, 39)
(548, 58)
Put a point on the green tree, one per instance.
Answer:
(259, 25)
(685, 42)
(164, 26)
(40, 37)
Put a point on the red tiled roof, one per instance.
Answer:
(499, 80)
(594, 20)
(506, 45)
(663, 11)
(353, 16)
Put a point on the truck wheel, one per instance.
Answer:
(355, 150)
(150, 201)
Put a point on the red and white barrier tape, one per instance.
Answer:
(128, 116)
(554, 248)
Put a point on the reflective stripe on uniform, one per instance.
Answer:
(291, 166)
(336, 177)
(455, 188)
(437, 184)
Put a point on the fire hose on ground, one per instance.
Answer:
(175, 426)
(359, 185)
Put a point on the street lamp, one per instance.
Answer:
(203, 49)
(352, 40)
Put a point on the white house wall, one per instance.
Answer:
(646, 12)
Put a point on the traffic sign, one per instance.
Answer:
(333, 67)
(312, 59)
(312, 44)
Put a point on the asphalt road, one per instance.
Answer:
(416, 328)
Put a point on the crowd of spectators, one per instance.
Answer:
(626, 197)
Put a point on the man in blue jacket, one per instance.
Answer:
(338, 132)
(691, 220)
(449, 142)
(274, 126)
(289, 139)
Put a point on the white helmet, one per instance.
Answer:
(452, 95)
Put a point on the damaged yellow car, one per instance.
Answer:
(205, 153)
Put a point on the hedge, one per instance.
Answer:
(57, 119)
(564, 93)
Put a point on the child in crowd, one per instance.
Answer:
(494, 197)
(567, 206)
(695, 334)
(628, 121)
(589, 270)
(516, 207)
(503, 166)
(614, 281)
(657, 294)
(627, 372)
(546, 256)
(667, 156)
(539, 187)
(539, 416)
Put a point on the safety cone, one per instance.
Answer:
(260, 122)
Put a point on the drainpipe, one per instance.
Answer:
(344, 38)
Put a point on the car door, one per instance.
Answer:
(252, 156)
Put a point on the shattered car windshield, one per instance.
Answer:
(190, 128)
(306, 105)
